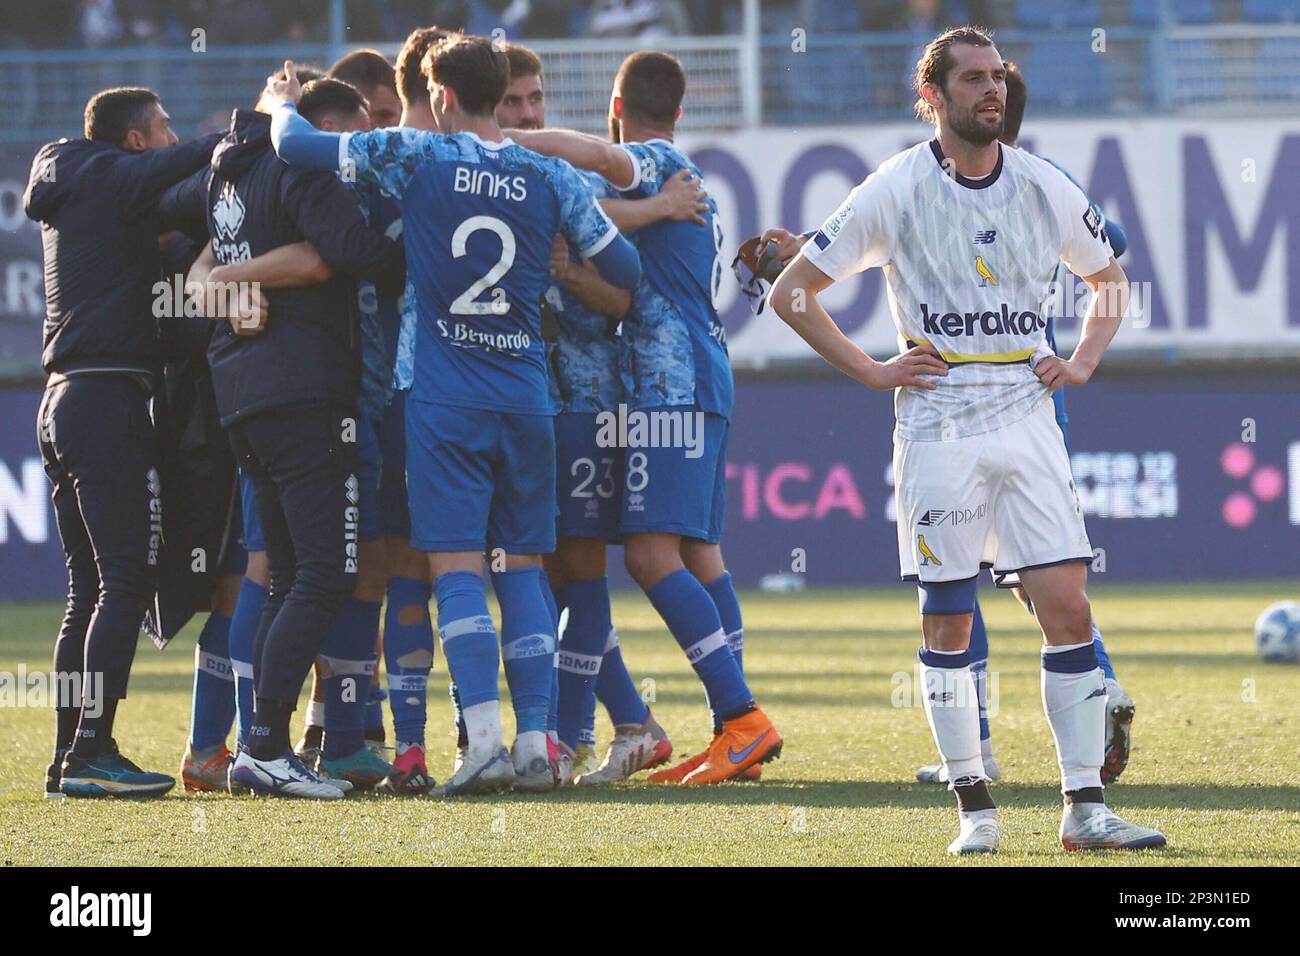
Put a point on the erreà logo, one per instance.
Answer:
(228, 213)
(75, 909)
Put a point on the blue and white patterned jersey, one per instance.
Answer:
(586, 358)
(478, 223)
(676, 344)
(380, 315)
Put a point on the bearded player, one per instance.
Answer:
(976, 436)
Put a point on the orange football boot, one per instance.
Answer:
(745, 741)
(677, 773)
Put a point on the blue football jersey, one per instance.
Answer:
(676, 344)
(478, 223)
(587, 354)
(380, 314)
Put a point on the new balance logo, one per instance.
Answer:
(985, 236)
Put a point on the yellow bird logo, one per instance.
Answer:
(927, 556)
(986, 277)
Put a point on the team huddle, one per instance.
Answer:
(446, 346)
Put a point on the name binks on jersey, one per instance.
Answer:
(1005, 322)
(484, 182)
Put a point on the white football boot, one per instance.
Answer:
(489, 773)
(1119, 731)
(635, 747)
(286, 776)
(1094, 826)
(978, 833)
(532, 763)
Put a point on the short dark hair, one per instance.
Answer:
(523, 61)
(111, 114)
(366, 70)
(326, 96)
(1017, 98)
(475, 70)
(936, 60)
(652, 85)
(410, 75)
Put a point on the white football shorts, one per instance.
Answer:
(1003, 499)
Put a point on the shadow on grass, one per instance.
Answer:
(887, 794)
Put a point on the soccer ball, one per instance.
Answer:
(1277, 632)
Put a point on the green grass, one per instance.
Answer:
(1214, 763)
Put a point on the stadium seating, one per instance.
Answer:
(1034, 14)
(1270, 11)
(1066, 76)
(1146, 13)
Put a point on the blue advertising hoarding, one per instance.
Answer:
(1181, 479)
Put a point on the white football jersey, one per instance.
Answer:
(968, 265)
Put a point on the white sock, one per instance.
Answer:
(483, 727)
(953, 714)
(315, 716)
(1075, 705)
(530, 744)
(986, 747)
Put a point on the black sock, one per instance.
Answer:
(312, 735)
(1085, 795)
(94, 733)
(973, 796)
(268, 738)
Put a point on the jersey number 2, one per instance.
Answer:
(465, 304)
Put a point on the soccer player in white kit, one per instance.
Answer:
(969, 235)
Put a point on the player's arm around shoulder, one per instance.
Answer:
(583, 151)
(589, 230)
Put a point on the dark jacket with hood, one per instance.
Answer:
(98, 208)
(309, 353)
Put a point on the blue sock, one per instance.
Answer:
(723, 593)
(979, 666)
(243, 633)
(527, 645)
(693, 618)
(1103, 659)
(553, 608)
(348, 658)
(469, 638)
(214, 685)
(408, 656)
(581, 651)
(615, 689)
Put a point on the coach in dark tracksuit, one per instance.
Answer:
(288, 398)
(96, 199)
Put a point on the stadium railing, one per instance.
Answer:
(735, 81)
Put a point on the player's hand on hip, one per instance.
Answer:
(917, 368)
(1055, 371)
(788, 243)
(286, 88)
(685, 198)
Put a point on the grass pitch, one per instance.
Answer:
(1214, 764)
